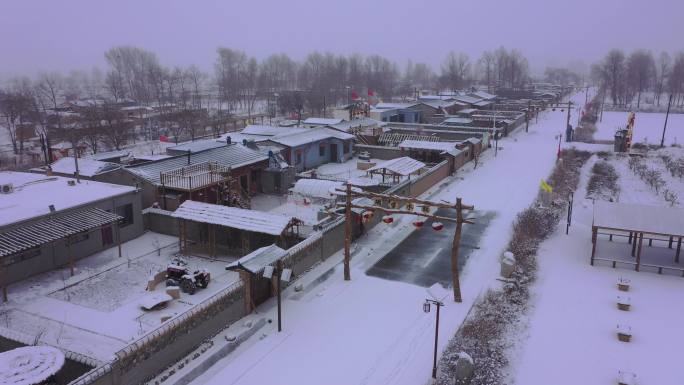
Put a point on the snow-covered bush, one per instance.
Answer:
(603, 182)
(499, 313)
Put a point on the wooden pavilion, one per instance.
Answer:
(664, 225)
(397, 168)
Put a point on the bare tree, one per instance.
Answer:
(640, 72)
(455, 70)
(486, 64)
(664, 64)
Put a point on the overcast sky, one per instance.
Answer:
(73, 34)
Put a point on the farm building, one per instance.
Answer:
(51, 221)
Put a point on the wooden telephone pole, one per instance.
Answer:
(378, 200)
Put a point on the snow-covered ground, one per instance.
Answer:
(572, 328)
(97, 311)
(373, 331)
(296, 206)
(648, 127)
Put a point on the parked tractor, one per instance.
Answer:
(179, 274)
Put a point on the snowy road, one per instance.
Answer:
(373, 331)
(425, 256)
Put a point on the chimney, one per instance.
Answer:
(228, 141)
(189, 152)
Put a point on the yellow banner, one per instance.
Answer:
(545, 186)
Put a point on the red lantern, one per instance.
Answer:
(388, 219)
(419, 223)
(437, 226)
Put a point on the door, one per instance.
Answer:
(244, 183)
(107, 236)
(333, 152)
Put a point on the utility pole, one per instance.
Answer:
(279, 271)
(568, 122)
(426, 309)
(347, 232)
(669, 103)
(454, 251)
(603, 101)
(527, 115)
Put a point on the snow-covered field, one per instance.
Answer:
(572, 328)
(97, 312)
(373, 331)
(648, 127)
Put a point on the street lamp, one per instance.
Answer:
(426, 309)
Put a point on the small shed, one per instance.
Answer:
(252, 228)
(397, 168)
(250, 266)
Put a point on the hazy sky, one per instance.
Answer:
(73, 34)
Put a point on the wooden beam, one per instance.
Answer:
(634, 243)
(405, 212)
(368, 194)
(347, 233)
(594, 234)
(638, 258)
(454, 252)
(118, 237)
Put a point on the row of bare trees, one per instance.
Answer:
(187, 100)
(626, 77)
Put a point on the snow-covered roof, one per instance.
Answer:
(467, 99)
(86, 167)
(322, 121)
(316, 188)
(359, 122)
(258, 259)
(152, 157)
(427, 145)
(402, 166)
(30, 365)
(467, 111)
(56, 227)
(640, 218)
(271, 130)
(34, 193)
(390, 106)
(483, 95)
(196, 146)
(233, 217)
(310, 136)
(234, 156)
(104, 156)
(457, 120)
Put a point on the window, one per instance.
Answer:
(321, 149)
(126, 211)
(298, 157)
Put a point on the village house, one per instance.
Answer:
(314, 147)
(202, 176)
(50, 221)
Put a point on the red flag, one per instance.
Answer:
(370, 92)
(354, 95)
(163, 138)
